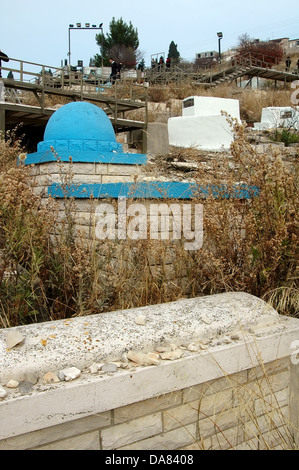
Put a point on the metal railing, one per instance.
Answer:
(255, 59)
(29, 79)
(160, 74)
(63, 78)
(46, 79)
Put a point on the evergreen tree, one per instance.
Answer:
(173, 53)
(121, 43)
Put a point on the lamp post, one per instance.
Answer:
(220, 36)
(78, 26)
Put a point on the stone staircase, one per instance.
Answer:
(225, 76)
(12, 96)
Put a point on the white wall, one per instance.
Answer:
(203, 125)
(211, 106)
(201, 132)
(273, 117)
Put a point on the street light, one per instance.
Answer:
(220, 36)
(78, 26)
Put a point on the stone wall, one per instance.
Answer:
(217, 372)
(248, 410)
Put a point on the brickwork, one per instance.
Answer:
(245, 410)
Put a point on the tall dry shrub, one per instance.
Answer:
(251, 245)
(46, 272)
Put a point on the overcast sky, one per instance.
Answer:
(37, 31)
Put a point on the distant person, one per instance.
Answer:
(3, 57)
(161, 63)
(115, 71)
(298, 66)
(288, 64)
(168, 63)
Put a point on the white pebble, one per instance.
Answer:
(140, 320)
(13, 338)
(171, 355)
(143, 359)
(12, 384)
(192, 347)
(70, 373)
(93, 369)
(3, 392)
(50, 378)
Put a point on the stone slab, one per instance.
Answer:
(78, 342)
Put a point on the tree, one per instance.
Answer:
(173, 53)
(264, 53)
(121, 43)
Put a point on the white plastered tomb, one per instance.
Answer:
(203, 124)
(274, 117)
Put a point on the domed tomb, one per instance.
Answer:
(82, 131)
(79, 121)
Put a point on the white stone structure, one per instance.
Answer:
(203, 124)
(274, 117)
(216, 372)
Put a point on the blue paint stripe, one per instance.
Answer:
(116, 158)
(151, 190)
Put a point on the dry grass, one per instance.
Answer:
(251, 101)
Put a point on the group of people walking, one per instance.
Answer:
(161, 63)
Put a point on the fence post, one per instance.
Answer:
(43, 89)
(81, 86)
(115, 106)
(21, 71)
(62, 79)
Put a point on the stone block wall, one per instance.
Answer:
(167, 260)
(99, 173)
(248, 410)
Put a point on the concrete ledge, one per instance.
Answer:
(88, 395)
(86, 157)
(238, 330)
(151, 190)
(105, 337)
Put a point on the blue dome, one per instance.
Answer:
(82, 132)
(79, 121)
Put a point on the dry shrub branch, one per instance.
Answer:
(252, 244)
(49, 271)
